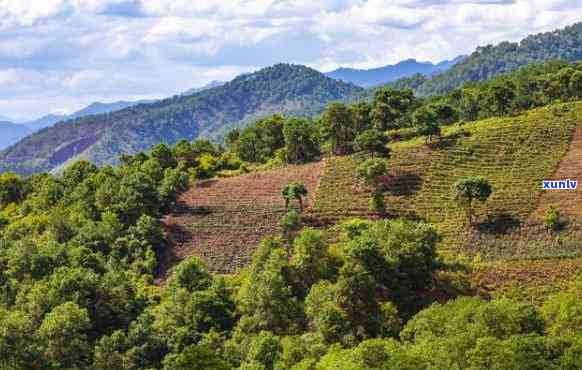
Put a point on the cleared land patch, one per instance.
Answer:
(223, 220)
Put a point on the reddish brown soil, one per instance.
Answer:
(569, 202)
(223, 220)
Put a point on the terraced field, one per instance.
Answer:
(514, 153)
(223, 220)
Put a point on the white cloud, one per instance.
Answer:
(77, 51)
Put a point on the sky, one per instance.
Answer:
(57, 56)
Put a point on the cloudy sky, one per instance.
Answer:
(59, 55)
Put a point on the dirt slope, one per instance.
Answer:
(223, 220)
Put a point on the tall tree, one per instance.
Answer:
(340, 127)
(390, 106)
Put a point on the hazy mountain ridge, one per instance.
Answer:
(382, 75)
(103, 138)
(11, 132)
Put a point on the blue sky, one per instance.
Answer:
(60, 55)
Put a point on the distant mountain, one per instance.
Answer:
(45, 121)
(209, 85)
(94, 108)
(383, 75)
(489, 61)
(102, 138)
(11, 133)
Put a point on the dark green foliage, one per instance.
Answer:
(390, 108)
(191, 275)
(340, 127)
(373, 142)
(294, 191)
(258, 142)
(301, 140)
(490, 61)
(469, 189)
(11, 188)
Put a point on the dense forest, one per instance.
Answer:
(489, 61)
(79, 253)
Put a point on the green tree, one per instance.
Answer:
(470, 104)
(164, 155)
(370, 173)
(63, 333)
(77, 172)
(340, 127)
(426, 120)
(294, 191)
(301, 140)
(390, 106)
(191, 274)
(374, 142)
(362, 116)
(469, 189)
(500, 96)
(11, 188)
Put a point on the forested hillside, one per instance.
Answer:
(288, 89)
(447, 191)
(489, 61)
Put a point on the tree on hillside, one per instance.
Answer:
(576, 84)
(426, 121)
(338, 123)
(301, 140)
(294, 191)
(374, 142)
(500, 96)
(469, 189)
(370, 173)
(362, 115)
(390, 106)
(11, 188)
(470, 104)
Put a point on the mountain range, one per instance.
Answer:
(283, 88)
(389, 73)
(102, 138)
(11, 132)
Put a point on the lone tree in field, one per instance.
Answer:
(469, 189)
(294, 191)
(426, 121)
(370, 173)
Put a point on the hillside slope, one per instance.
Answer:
(514, 153)
(223, 220)
(489, 61)
(103, 138)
